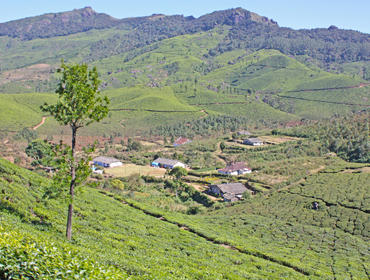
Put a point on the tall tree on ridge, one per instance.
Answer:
(79, 104)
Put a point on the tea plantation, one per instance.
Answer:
(273, 237)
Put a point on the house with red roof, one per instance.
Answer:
(237, 168)
(181, 141)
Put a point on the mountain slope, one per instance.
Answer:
(57, 24)
(238, 242)
(249, 31)
(232, 63)
(123, 236)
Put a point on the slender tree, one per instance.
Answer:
(79, 104)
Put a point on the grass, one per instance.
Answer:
(123, 236)
(16, 115)
(131, 169)
(175, 80)
(275, 234)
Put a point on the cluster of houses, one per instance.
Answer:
(108, 162)
(229, 191)
(232, 191)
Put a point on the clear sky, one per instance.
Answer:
(348, 14)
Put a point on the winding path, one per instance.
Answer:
(39, 124)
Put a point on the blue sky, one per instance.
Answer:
(348, 14)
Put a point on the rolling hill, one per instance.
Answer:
(202, 78)
(230, 63)
(271, 236)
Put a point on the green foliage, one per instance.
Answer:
(269, 230)
(79, 102)
(178, 172)
(117, 184)
(260, 88)
(41, 151)
(347, 137)
(204, 126)
(26, 257)
(63, 159)
(133, 145)
(27, 134)
(137, 244)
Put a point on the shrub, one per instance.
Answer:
(22, 257)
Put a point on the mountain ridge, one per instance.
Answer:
(56, 24)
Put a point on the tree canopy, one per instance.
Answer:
(79, 104)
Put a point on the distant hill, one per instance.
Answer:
(231, 63)
(56, 24)
(248, 31)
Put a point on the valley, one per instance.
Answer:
(268, 125)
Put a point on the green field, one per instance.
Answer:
(131, 169)
(176, 80)
(272, 235)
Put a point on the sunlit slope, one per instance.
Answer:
(274, 237)
(119, 235)
(16, 112)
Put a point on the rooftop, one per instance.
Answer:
(181, 141)
(166, 161)
(234, 167)
(254, 140)
(107, 160)
(232, 188)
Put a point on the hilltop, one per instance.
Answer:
(57, 24)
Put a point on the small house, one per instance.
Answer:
(230, 191)
(107, 161)
(237, 168)
(253, 142)
(167, 163)
(181, 141)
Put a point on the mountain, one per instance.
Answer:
(81, 20)
(56, 24)
(225, 63)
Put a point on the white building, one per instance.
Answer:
(167, 163)
(237, 168)
(107, 161)
(253, 142)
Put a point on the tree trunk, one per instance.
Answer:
(69, 222)
(72, 185)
